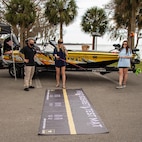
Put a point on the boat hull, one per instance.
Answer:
(92, 58)
(85, 59)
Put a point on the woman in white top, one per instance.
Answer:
(124, 63)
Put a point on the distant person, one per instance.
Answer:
(60, 54)
(29, 68)
(124, 63)
(0, 49)
(7, 47)
(1, 65)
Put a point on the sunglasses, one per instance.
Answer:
(60, 42)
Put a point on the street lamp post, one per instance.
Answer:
(94, 44)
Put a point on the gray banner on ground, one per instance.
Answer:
(54, 119)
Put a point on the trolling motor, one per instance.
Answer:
(117, 46)
(136, 59)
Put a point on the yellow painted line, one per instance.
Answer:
(69, 113)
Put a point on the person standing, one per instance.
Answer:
(124, 63)
(28, 56)
(7, 48)
(60, 54)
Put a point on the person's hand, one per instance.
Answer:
(10, 52)
(120, 56)
(57, 57)
(26, 60)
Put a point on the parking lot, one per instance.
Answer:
(119, 109)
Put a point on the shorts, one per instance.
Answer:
(60, 63)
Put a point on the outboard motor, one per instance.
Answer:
(136, 59)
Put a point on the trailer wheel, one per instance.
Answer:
(17, 70)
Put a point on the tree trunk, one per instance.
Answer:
(15, 30)
(133, 22)
(129, 38)
(61, 30)
(21, 37)
(93, 43)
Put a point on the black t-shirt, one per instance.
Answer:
(0, 49)
(6, 48)
(29, 54)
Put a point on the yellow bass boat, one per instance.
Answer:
(76, 60)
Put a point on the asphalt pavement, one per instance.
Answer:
(119, 109)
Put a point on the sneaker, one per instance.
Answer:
(26, 89)
(119, 87)
(124, 86)
(32, 87)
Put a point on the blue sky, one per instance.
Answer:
(73, 33)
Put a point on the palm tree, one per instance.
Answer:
(122, 16)
(125, 18)
(135, 6)
(61, 12)
(94, 20)
(21, 14)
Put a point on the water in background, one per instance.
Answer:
(100, 48)
(79, 47)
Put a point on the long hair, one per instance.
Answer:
(60, 45)
(127, 47)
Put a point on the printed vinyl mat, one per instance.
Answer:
(68, 111)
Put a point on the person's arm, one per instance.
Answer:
(8, 52)
(55, 54)
(21, 53)
(127, 56)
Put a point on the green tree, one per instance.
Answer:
(22, 14)
(94, 20)
(61, 12)
(42, 29)
(127, 19)
(123, 16)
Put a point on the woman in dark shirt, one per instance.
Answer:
(60, 54)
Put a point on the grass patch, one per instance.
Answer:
(139, 65)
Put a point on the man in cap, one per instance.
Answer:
(28, 56)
